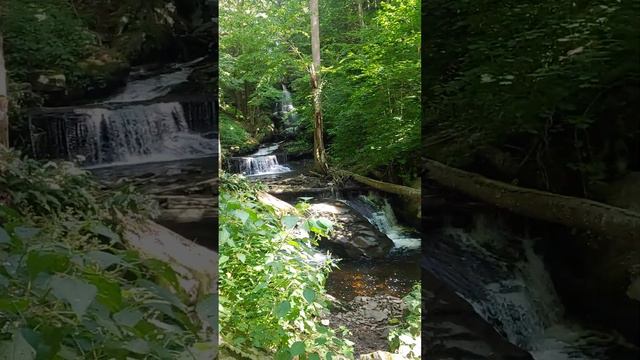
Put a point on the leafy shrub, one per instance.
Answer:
(271, 295)
(406, 338)
(44, 35)
(69, 287)
(233, 135)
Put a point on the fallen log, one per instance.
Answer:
(281, 207)
(196, 265)
(610, 221)
(381, 185)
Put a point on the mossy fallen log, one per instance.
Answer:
(606, 220)
(381, 185)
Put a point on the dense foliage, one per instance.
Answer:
(552, 84)
(271, 286)
(44, 35)
(371, 75)
(70, 288)
(236, 137)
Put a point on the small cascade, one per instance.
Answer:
(288, 111)
(380, 213)
(151, 88)
(507, 284)
(262, 162)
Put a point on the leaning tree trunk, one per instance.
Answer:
(609, 221)
(319, 155)
(4, 100)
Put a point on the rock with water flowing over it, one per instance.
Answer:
(353, 235)
(453, 329)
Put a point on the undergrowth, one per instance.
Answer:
(406, 339)
(272, 297)
(70, 288)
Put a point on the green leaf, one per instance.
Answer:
(283, 308)
(12, 305)
(241, 257)
(77, 293)
(314, 356)
(138, 346)
(290, 222)
(109, 291)
(104, 259)
(242, 215)
(26, 233)
(223, 259)
(38, 262)
(297, 348)
(128, 317)
(17, 348)
(100, 229)
(309, 294)
(207, 310)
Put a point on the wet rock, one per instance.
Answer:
(453, 330)
(368, 319)
(353, 235)
(49, 82)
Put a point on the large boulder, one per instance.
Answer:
(353, 235)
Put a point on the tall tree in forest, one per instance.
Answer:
(316, 86)
(4, 100)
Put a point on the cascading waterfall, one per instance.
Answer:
(128, 128)
(288, 112)
(380, 213)
(507, 284)
(141, 133)
(262, 162)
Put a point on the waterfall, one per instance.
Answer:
(128, 128)
(379, 212)
(262, 162)
(507, 284)
(288, 112)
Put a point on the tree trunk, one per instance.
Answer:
(383, 186)
(319, 155)
(361, 13)
(609, 221)
(4, 100)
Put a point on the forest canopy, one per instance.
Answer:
(370, 75)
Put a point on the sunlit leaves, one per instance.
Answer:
(267, 278)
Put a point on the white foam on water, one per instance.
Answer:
(520, 301)
(379, 212)
(141, 134)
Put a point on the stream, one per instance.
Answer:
(505, 279)
(369, 289)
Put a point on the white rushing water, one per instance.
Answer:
(380, 213)
(288, 111)
(141, 133)
(262, 162)
(519, 300)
